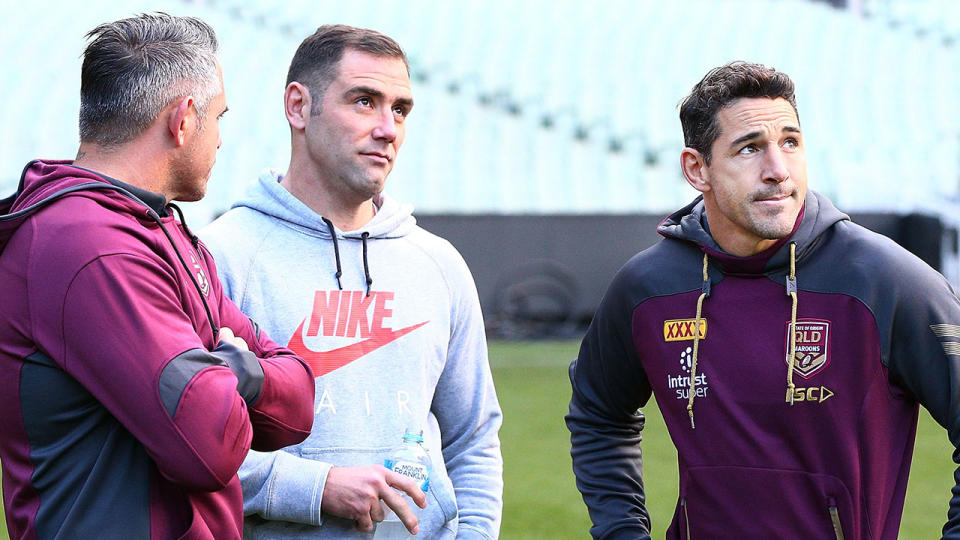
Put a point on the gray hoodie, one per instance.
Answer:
(389, 319)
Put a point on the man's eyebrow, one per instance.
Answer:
(754, 134)
(744, 138)
(363, 90)
(373, 92)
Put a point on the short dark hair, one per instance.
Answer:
(722, 86)
(133, 68)
(316, 62)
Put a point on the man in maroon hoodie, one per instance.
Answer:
(132, 386)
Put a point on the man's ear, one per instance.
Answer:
(296, 105)
(694, 167)
(180, 121)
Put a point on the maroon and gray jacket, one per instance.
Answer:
(820, 452)
(123, 416)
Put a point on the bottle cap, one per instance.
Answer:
(410, 434)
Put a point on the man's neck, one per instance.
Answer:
(350, 219)
(124, 163)
(346, 215)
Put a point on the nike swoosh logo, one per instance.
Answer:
(323, 362)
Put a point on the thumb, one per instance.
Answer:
(226, 334)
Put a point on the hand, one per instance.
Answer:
(226, 334)
(355, 493)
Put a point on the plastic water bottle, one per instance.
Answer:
(409, 459)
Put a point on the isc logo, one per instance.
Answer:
(813, 394)
(682, 329)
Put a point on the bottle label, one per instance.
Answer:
(417, 471)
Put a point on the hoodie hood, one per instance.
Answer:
(816, 216)
(267, 196)
(43, 182)
(687, 224)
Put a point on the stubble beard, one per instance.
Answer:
(772, 227)
(188, 185)
(365, 185)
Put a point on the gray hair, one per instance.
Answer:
(133, 68)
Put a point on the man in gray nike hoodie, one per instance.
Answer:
(386, 314)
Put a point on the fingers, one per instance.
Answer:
(378, 511)
(364, 523)
(226, 334)
(356, 493)
(407, 485)
(398, 503)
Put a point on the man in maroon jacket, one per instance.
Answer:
(132, 386)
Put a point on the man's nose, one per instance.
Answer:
(386, 128)
(775, 165)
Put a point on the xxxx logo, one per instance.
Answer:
(682, 329)
(346, 314)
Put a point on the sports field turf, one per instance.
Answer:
(541, 500)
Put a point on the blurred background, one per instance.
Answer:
(545, 140)
(545, 145)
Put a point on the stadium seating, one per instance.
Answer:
(544, 106)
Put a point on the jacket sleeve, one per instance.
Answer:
(282, 414)
(605, 424)
(468, 413)
(279, 486)
(925, 356)
(121, 331)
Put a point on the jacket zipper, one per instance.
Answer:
(686, 516)
(835, 518)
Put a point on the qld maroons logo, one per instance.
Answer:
(813, 346)
(201, 277)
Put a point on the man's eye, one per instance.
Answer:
(365, 101)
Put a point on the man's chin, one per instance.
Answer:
(192, 196)
(775, 231)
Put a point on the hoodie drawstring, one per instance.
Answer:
(150, 213)
(336, 254)
(792, 293)
(193, 238)
(336, 250)
(791, 353)
(153, 215)
(366, 267)
(704, 292)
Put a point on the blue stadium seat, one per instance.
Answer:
(547, 106)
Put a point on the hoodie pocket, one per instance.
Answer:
(441, 508)
(441, 491)
(742, 502)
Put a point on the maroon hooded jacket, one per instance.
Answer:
(123, 415)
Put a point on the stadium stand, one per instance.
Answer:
(551, 107)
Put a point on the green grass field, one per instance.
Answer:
(540, 498)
